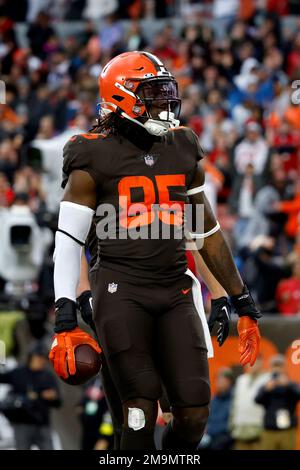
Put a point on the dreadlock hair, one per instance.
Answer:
(108, 124)
(114, 124)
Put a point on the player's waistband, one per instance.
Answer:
(138, 276)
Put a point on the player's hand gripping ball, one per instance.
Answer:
(75, 356)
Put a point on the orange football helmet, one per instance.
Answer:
(138, 87)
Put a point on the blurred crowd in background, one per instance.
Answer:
(237, 63)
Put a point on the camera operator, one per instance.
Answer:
(27, 406)
(279, 396)
(23, 244)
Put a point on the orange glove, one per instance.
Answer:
(63, 347)
(249, 340)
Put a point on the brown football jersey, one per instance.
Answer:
(140, 199)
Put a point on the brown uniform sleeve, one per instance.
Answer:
(77, 156)
(193, 138)
(197, 155)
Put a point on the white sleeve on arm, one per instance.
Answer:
(74, 224)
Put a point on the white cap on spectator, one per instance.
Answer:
(244, 81)
(249, 64)
(34, 63)
(253, 126)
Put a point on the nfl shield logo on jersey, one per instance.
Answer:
(112, 287)
(149, 160)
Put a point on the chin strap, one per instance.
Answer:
(156, 127)
(161, 126)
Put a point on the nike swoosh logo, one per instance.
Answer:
(226, 311)
(185, 291)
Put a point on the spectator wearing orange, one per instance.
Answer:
(180, 65)
(6, 193)
(7, 114)
(292, 115)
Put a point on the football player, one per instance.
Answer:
(138, 169)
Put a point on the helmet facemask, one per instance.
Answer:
(160, 99)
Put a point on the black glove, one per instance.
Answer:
(244, 304)
(220, 312)
(65, 315)
(85, 306)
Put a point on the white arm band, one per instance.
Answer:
(199, 189)
(75, 221)
(206, 234)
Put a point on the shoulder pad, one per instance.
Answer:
(189, 135)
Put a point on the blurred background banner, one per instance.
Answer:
(2, 353)
(278, 336)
